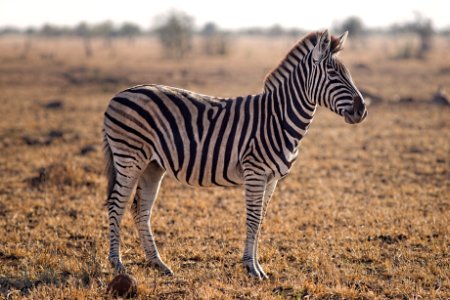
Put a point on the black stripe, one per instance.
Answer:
(201, 108)
(124, 156)
(178, 141)
(218, 143)
(231, 139)
(299, 87)
(268, 149)
(246, 121)
(276, 133)
(189, 131)
(121, 174)
(137, 133)
(120, 141)
(255, 103)
(258, 110)
(207, 141)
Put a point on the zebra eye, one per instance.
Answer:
(332, 72)
(331, 68)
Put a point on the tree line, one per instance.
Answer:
(174, 19)
(175, 31)
(102, 29)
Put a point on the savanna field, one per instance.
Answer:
(364, 214)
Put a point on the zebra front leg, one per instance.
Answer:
(255, 186)
(144, 199)
(116, 203)
(270, 188)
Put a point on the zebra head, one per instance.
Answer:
(331, 83)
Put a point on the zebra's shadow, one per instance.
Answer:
(23, 285)
(89, 274)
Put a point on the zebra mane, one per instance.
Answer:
(294, 56)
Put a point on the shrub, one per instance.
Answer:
(215, 41)
(175, 34)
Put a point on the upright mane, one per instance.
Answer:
(293, 58)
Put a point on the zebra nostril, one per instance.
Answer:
(358, 105)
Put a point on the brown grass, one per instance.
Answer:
(364, 214)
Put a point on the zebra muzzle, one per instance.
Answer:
(359, 112)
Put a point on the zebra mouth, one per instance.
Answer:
(354, 118)
(348, 118)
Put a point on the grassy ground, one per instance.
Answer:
(364, 214)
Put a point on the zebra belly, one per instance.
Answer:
(213, 174)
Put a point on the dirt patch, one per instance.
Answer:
(55, 104)
(49, 138)
(88, 76)
(388, 239)
(88, 149)
(60, 175)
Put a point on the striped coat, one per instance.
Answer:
(199, 140)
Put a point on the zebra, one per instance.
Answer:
(204, 141)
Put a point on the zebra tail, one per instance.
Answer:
(110, 171)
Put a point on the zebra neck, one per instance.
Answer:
(296, 113)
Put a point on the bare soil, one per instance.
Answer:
(365, 213)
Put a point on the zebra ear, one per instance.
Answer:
(339, 44)
(322, 48)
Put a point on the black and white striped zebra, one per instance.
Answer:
(199, 140)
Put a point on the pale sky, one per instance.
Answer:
(228, 14)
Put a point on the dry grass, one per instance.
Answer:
(364, 214)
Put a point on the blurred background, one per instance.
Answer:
(363, 215)
(182, 34)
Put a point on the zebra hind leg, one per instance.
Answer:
(116, 204)
(121, 182)
(144, 199)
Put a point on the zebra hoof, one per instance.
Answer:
(253, 272)
(263, 275)
(162, 267)
(167, 272)
(261, 272)
(118, 267)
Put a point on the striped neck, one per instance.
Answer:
(291, 62)
(294, 112)
(286, 85)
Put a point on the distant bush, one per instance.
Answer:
(405, 52)
(83, 31)
(215, 41)
(175, 32)
(423, 28)
(354, 25)
(50, 30)
(275, 30)
(129, 30)
(104, 29)
(9, 30)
